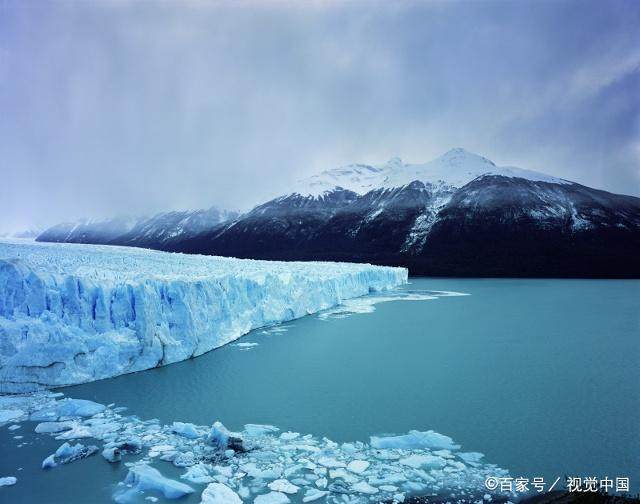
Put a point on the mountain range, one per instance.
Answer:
(458, 215)
(157, 232)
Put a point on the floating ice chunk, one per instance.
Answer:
(246, 346)
(472, 458)
(314, 494)
(198, 473)
(454, 464)
(78, 431)
(284, 486)
(187, 430)
(78, 407)
(184, 459)
(131, 444)
(49, 462)
(142, 478)
(330, 462)
(288, 436)
(368, 304)
(358, 466)
(8, 481)
(53, 427)
(163, 447)
(10, 415)
(415, 440)
(221, 438)
(225, 471)
(255, 430)
(257, 473)
(418, 461)
(44, 415)
(217, 493)
(414, 486)
(342, 473)
(112, 454)
(67, 453)
(276, 329)
(365, 488)
(321, 482)
(399, 497)
(14, 427)
(272, 498)
(218, 436)
(100, 428)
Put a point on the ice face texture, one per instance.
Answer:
(76, 313)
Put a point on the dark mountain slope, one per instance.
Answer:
(493, 226)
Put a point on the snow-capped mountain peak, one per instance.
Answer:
(456, 168)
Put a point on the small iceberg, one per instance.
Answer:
(8, 481)
(217, 493)
(143, 478)
(67, 454)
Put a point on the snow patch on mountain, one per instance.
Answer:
(76, 313)
(359, 178)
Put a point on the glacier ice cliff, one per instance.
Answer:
(76, 313)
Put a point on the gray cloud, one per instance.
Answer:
(135, 107)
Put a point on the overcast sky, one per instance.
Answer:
(114, 107)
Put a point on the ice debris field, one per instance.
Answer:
(75, 313)
(260, 464)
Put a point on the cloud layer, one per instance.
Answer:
(135, 107)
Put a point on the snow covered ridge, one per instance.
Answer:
(137, 231)
(76, 313)
(260, 464)
(454, 168)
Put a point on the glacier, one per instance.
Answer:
(73, 313)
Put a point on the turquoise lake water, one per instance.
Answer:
(542, 376)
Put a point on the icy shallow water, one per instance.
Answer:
(540, 375)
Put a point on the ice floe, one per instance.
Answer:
(143, 478)
(8, 481)
(284, 486)
(217, 493)
(415, 440)
(368, 304)
(67, 453)
(9, 415)
(272, 498)
(246, 346)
